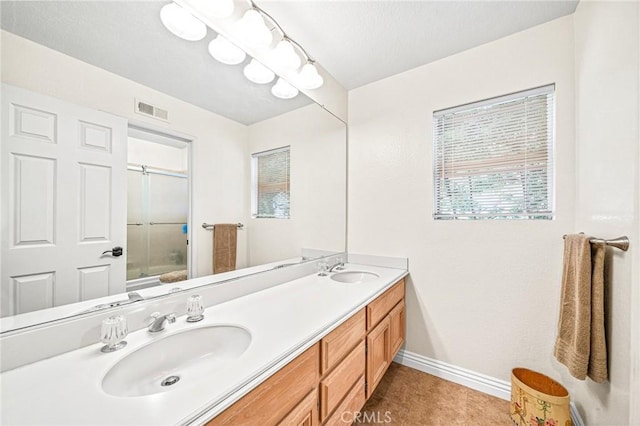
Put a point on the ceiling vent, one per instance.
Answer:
(149, 110)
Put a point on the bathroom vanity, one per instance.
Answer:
(332, 380)
(305, 351)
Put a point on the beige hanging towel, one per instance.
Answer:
(225, 241)
(581, 344)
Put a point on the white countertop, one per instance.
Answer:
(283, 321)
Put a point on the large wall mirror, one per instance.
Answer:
(116, 133)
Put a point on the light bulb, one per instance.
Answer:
(285, 55)
(182, 23)
(252, 29)
(309, 77)
(258, 73)
(225, 51)
(283, 90)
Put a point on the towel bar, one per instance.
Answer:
(621, 242)
(210, 226)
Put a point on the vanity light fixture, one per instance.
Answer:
(182, 23)
(226, 52)
(252, 29)
(258, 73)
(285, 55)
(283, 90)
(309, 78)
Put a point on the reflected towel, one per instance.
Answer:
(173, 277)
(581, 344)
(225, 241)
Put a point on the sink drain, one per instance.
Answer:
(171, 380)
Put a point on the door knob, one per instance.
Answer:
(115, 252)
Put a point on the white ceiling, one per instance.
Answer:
(358, 42)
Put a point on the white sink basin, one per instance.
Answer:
(354, 277)
(176, 361)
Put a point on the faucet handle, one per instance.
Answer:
(114, 330)
(171, 318)
(195, 308)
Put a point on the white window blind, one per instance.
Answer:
(494, 158)
(271, 185)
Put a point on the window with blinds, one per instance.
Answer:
(493, 159)
(271, 184)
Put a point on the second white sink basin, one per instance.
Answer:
(176, 361)
(354, 277)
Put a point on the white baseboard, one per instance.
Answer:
(455, 374)
(471, 379)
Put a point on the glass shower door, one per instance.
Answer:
(168, 210)
(157, 223)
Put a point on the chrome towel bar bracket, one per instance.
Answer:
(621, 243)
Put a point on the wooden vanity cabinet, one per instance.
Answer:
(276, 398)
(386, 325)
(342, 362)
(397, 327)
(378, 354)
(305, 413)
(332, 380)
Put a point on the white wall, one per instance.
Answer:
(219, 167)
(318, 185)
(482, 295)
(153, 154)
(606, 70)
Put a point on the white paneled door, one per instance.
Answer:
(64, 193)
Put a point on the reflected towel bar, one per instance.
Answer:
(621, 242)
(210, 226)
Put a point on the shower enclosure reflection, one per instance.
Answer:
(157, 209)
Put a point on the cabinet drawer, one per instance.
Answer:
(305, 413)
(352, 404)
(337, 384)
(380, 307)
(277, 396)
(337, 344)
(397, 328)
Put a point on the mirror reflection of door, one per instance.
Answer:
(157, 209)
(62, 169)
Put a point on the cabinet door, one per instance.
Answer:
(378, 351)
(397, 328)
(305, 413)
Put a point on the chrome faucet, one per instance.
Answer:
(338, 266)
(160, 321)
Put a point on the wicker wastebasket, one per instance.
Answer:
(537, 400)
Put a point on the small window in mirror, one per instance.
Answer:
(271, 185)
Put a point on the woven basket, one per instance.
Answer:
(537, 400)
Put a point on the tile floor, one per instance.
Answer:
(410, 397)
